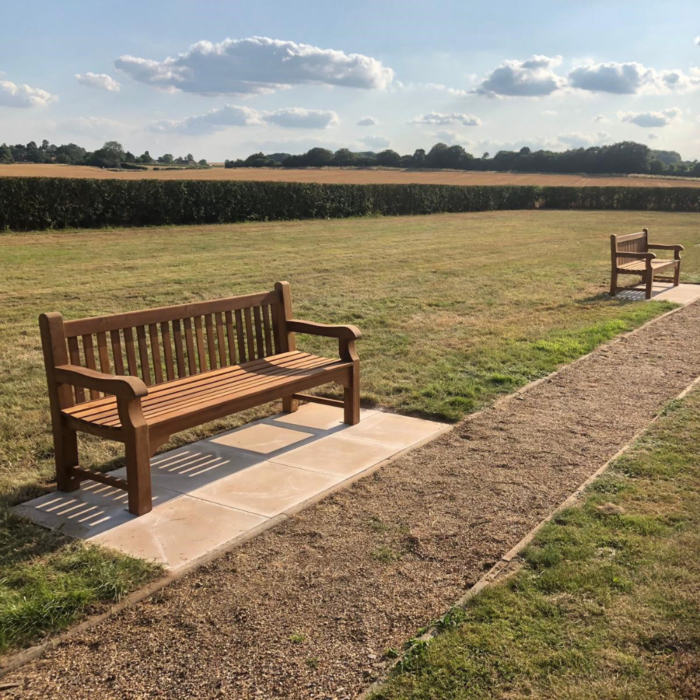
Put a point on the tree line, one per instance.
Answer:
(626, 157)
(111, 155)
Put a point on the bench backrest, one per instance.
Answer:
(171, 342)
(629, 243)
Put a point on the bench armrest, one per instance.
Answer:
(119, 386)
(636, 256)
(664, 246)
(324, 329)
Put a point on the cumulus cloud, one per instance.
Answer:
(256, 65)
(650, 120)
(452, 138)
(298, 118)
(23, 96)
(376, 141)
(438, 87)
(631, 78)
(601, 119)
(534, 77)
(232, 115)
(100, 81)
(580, 140)
(368, 121)
(439, 119)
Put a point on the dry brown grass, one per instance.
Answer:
(362, 176)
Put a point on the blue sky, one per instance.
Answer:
(185, 77)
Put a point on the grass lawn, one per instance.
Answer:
(607, 606)
(455, 309)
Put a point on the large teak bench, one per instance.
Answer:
(630, 256)
(187, 365)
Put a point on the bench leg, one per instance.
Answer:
(138, 471)
(677, 275)
(613, 282)
(351, 397)
(65, 443)
(650, 283)
(290, 404)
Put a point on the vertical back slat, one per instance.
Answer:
(103, 352)
(239, 335)
(89, 352)
(143, 355)
(199, 335)
(117, 352)
(249, 334)
(179, 349)
(276, 334)
(259, 340)
(130, 352)
(74, 353)
(231, 338)
(167, 351)
(221, 340)
(191, 360)
(155, 353)
(211, 342)
(268, 336)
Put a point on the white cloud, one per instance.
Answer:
(651, 120)
(376, 141)
(697, 40)
(101, 81)
(232, 115)
(438, 87)
(368, 121)
(298, 118)
(256, 65)
(23, 96)
(601, 119)
(534, 77)
(580, 140)
(439, 119)
(631, 78)
(550, 113)
(452, 138)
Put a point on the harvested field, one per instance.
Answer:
(360, 176)
(309, 609)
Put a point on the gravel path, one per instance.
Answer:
(307, 610)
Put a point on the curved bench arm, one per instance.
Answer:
(677, 249)
(119, 386)
(346, 335)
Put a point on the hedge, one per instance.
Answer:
(54, 203)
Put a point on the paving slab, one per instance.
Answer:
(211, 492)
(664, 291)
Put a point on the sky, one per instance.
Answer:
(224, 79)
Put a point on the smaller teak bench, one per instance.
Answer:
(186, 365)
(630, 256)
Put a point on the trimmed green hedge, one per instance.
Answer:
(54, 203)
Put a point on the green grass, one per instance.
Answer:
(607, 605)
(455, 310)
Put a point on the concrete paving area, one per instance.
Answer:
(212, 492)
(664, 291)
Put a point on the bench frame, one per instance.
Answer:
(68, 381)
(634, 247)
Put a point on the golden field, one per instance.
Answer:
(353, 176)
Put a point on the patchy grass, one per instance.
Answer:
(608, 603)
(455, 310)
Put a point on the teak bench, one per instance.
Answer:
(188, 365)
(630, 256)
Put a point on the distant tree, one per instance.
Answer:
(145, 157)
(436, 156)
(190, 159)
(6, 154)
(70, 153)
(203, 163)
(695, 170)
(656, 166)
(166, 159)
(524, 151)
(389, 158)
(129, 157)
(419, 157)
(344, 157)
(318, 157)
(485, 156)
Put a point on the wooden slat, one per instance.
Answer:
(239, 334)
(143, 355)
(179, 348)
(103, 353)
(74, 353)
(211, 342)
(117, 352)
(89, 351)
(268, 331)
(249, 334)
(167, 313)
(231, 338)
(89, 474)
(130, 352)
(155, 353)
(167, 351)
(199, 335)
(259, 339)
(276, 311)
(311, 398)
(191, 359)
(221, 340)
